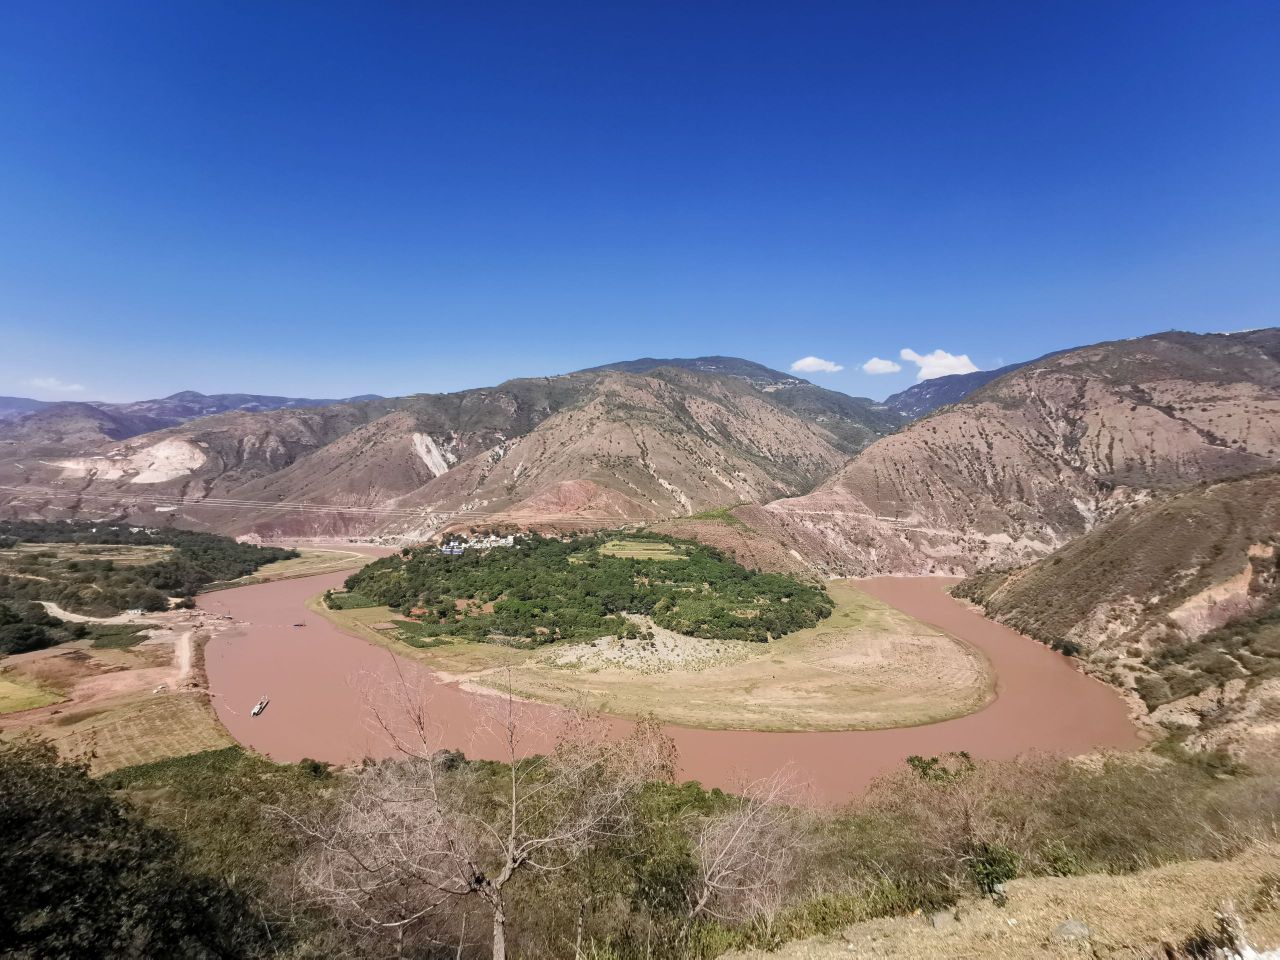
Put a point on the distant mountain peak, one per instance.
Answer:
(757, 374)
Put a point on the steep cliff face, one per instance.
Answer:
(1041, 455)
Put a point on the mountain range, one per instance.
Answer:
(177, 408)
(593, 446)
(947, 477)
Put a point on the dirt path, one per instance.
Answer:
(325, 686)
(183, 654)
(70, 617)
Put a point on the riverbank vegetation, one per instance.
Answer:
(100, 569)
(594, 851)
(542, 590)
(27, 625)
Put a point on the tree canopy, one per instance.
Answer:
(81, 875)
(543, 589)
(103, 587)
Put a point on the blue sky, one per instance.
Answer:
(325, 199)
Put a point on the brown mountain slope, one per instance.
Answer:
(666, 444)
(208, 457)
(585, 447)
(62, 427)
(1039, 456)
(362, 473)
(1178, 599)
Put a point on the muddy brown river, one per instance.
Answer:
(327, 687)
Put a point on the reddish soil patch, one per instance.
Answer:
(325, 685)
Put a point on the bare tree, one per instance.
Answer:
(748, 854)
(414, 838)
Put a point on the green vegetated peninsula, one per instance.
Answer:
(541, 590)
(102, 569)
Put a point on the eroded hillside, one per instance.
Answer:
(639, 447)
(579, 449)
(1177, 600)
(1042, 455)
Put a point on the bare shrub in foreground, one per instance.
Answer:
(416, 843)
(748, 855)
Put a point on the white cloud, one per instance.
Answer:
(875, 366)
(939, 363)
(54, 385)
(815, 365)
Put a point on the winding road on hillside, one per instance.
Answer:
(325, 687)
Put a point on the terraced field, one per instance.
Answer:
(139, 731)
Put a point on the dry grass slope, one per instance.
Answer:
(1131, 916)
(150, 728)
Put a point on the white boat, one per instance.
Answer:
(259, 707)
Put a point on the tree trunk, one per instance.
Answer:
(499, 934)
(577, 940)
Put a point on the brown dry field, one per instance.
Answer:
(1130, 917)
(866, 667)
(119, 706)
(138, 730)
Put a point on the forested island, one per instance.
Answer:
(541, 590)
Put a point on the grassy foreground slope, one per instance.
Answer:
(1139, 852)
(1170, 912)
(1178, 599)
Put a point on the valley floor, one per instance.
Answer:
(866, 667)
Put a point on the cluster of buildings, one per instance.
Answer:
(455, 545)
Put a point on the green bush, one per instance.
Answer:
(992, 866)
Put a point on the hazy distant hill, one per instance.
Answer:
(928, 395)
(60, 427)
(1040, 455)
(190, 405)
(171, 410)
(11, 407)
